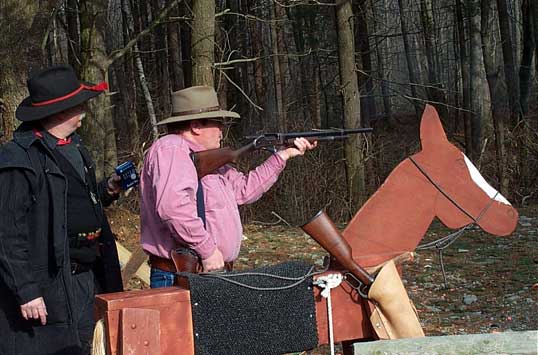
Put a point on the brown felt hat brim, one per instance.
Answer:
(198, 116)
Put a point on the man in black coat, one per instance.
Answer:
(55, 241)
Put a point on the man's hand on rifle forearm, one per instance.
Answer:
(35, 309)
(214, 262)
(301, 146)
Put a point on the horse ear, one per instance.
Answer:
(431, 129)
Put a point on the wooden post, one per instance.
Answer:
(133, 264)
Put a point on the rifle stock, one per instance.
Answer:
(207, 161)
(323, 230)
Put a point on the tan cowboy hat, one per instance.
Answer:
(195, 103)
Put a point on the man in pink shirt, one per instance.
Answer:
(176, 212)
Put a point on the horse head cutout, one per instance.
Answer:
(439, 181)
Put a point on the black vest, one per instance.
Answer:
(84, 211)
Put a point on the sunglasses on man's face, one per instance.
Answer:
(226, 123)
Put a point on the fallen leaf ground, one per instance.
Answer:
(492, 281)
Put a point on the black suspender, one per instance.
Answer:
(200, 205)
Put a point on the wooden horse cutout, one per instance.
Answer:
(396, 217)
(439, 181)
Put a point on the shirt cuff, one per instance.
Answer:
(206, 248)
(28, 293)
(277, 161)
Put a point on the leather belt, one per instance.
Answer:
(181, 263)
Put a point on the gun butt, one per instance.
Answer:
(325, 232)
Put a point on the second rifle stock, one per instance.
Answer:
(323, 230)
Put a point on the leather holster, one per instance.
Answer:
(393, 315)
(185, 260)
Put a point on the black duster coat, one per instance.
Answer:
(34, 249)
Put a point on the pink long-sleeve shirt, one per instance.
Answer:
(168, 212)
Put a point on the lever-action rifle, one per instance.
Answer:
(323, 230)
(207, 161)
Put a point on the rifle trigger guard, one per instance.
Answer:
(271, 149)
(360, 287)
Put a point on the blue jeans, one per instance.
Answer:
(160, 278)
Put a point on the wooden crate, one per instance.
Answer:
(131, 332)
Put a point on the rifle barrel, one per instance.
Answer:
(324, 133)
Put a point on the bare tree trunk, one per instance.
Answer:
(362, 42)
(381, 71)
(221, 83)
(279, 66)
(260, 80)
(122, 82)
(534, 11)
(492, 75)
(511, 78)
(98, 128)
(174, 51)
(203, 42)
(350, 92)
(35, 53)
(517, 147)
(304, 33)
(477, 84)
(529, 45)
(410, 63)
(73, 34)
(525, 72)
(141, 74)
(162, 89)
(434, 88)
(466, 81)
(186, 43)
(23, 26)
(456, 100)
(313, 70)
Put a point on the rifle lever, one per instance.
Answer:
(360, 287)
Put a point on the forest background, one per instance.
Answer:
(295, 65)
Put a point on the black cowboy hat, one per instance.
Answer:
(53, 90)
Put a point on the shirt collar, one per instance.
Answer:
(50, 140)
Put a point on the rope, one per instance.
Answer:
(326, 283)
(442, 243)
(228, 278)
(99, 338)
(438, 187)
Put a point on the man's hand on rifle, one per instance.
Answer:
(301, 146)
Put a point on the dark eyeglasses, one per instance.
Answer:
(226, 122)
